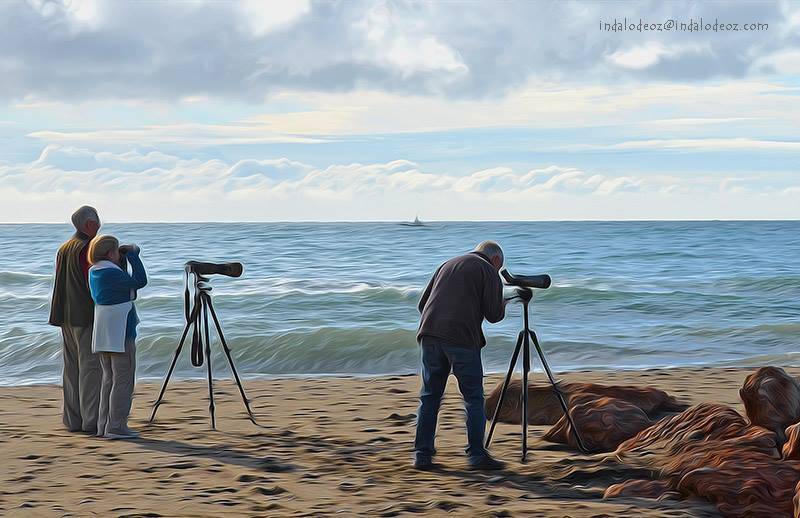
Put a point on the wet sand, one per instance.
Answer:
(331, 446)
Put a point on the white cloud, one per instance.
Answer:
(712, 144)
(393, 38)
(285, 189)
(188, 135)
(80, 14)
(67, 168)
(173, 188)
(640, 57)
(706, 144)
(786, 62)
(690, 121)
(264, 16)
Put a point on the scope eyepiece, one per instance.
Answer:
(541, 282)
(201, 268)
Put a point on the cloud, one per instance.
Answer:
(150, 185)
(640, 57)
(705, 144)
(265, 16)
(785, 62)
(68, 168)
(188, 135)
(660, 109)
(75, 50)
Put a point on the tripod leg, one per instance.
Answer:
(503, 390)
(560, 396)
(169, 372)
(526, 367)
(230, 361)
(206, 301)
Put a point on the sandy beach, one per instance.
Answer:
(326, 446)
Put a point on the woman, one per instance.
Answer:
(113, 291)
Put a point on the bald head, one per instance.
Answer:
(86, 220)
(492, 251)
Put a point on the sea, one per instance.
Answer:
(333, 299)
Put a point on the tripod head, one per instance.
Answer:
(202, 271)
(520, 286)
(513, 293)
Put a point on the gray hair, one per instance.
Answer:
(490, 249)
(84, 214)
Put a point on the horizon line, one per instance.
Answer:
(168, 222)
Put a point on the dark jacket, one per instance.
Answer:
(462, 292)
(71, 303)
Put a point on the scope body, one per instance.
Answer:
(202, 268)
(541, 282)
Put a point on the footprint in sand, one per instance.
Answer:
(496, 499)
(274, 465)
(349, 487)
(247, 478)
(401, 419)
(269, 491)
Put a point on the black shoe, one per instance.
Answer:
(487, 463)
(424, 464)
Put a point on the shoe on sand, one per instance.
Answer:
(425, 464)
(486, 463)
(122, 434)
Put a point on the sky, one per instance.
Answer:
(350, 111)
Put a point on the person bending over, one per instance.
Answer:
(114, 338)
(462, 292)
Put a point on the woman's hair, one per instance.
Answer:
(100, 247)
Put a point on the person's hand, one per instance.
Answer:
(124, 249)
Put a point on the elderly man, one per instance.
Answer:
(461, 293)
(72, 310)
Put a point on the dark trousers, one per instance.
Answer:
(438, 360)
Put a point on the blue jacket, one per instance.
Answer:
(112, 286)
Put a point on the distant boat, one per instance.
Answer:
(416, 223)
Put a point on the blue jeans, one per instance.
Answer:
(438, 360)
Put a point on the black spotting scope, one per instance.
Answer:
(201, 268)
(541, 282)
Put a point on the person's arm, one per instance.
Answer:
(136, 279)
(494, 306)
(138, 274)
(427, 293)
(57, 300)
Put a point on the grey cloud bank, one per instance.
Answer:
(79, 50)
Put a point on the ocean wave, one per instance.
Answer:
(7, 295)
(327, 349)
(281, 291)
(624, 294)
(15, 277)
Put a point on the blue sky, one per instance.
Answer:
(383, 110)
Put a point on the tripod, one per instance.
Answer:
(523, 342)
(200, 336)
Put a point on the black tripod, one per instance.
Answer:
(525, 294)
(200, 337)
